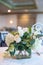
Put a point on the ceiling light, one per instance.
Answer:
(9, 10)
(11, 22)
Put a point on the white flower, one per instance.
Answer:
(17, 38)
(37, 45)
(36, 32)
(19, 28)
(34, 37)
(25, 29)
(9, 38)
(36, 28)
(20, 31)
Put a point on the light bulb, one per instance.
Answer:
(9, 10)
(11, 22)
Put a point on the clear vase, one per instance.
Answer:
(20, 55)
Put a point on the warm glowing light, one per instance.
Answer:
(24, 19)
(11, 22)
(9, 10)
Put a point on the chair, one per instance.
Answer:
(0, 40)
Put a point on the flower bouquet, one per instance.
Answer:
(23, 41)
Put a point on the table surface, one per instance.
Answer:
(34, 60)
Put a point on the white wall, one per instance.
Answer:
(39, 18)
(4, 20)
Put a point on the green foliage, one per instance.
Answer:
(25, 35)
(25, 44)
(14, 33)
(29, 29)
(21, 47)
(12, 53)
(29, 51)
(32, 41)
(11, 49)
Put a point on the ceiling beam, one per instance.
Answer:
(12, 5)
(6, 4)
(21, 13)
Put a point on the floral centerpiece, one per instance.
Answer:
(23, 41)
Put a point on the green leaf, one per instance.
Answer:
(12, 53)
(29, 51)
(20, 46)
(26, 48)
(27, 41)
(25, 35)
(11, 49)
(28, 45)
(14, 33)
(28, 36)
(32, 41)
(29, 29)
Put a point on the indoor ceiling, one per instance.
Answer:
(21, 6)
(16, 5)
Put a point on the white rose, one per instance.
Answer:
(38, 27)
(36, 32)
(37, 45)
(19, 28)
(25, 29)
(20, 31)
(17, 38)
(9, 38)
(34, 37)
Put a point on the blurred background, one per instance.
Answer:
(14, 13)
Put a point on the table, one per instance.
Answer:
(34, 60)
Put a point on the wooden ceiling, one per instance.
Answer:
(20, 1)
(16, 5)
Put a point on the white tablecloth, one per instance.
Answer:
(34, 60)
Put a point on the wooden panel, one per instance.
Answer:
(26, 20)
